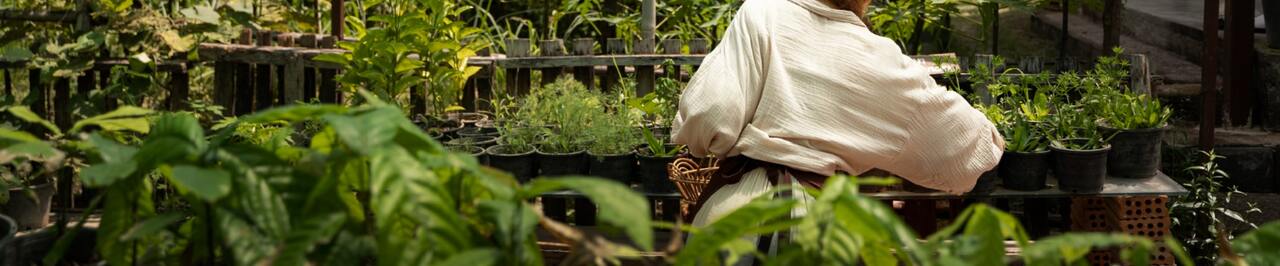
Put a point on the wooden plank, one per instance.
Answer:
(62, 102)
(1208, 77)
(613, 73)
(294, 79)
(585, 74)
(224, 82)
(1238, 75)
(85, 83)
(328, 83)
(58, 16)
(309, 74)
(104, 81)
(551, 48)
(1139, 74)
(672, 47)
(179, 90)
(484, 85)
(244, 80)
(37, 91)
(264, 77)
(645, 78)
(518, 82)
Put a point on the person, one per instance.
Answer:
(799, 90)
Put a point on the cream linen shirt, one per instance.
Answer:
(801, 84)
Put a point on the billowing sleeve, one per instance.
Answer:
(722, 96)
(949, 143)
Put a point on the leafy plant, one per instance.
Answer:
(419, 42)
(1127, 111)
(1198, 218)
(1023, 135)
(614, 131)
(371, 188)
(841, 227)
(657, 147)
(1073, 128)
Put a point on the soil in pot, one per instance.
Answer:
(554, 164)
(1024, 171)
(618, 167)
(479, 141)
(1134, 153)
(522, 164)
(653, 170)
(986, 183)
(1080, 170)
(27, 213)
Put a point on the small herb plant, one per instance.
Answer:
(1198, 218)
(615, 130)
(1128, 111)
(1074, 129)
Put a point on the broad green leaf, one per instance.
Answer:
(707, 242)
(208, 184)
(105, 174)
(480, 256)
(294, 113)
(130, 118)
(176, 41)
(24, 113)
(14, 53)
(110, 151)
(10, 135)
(151, 226)
(1258, 247)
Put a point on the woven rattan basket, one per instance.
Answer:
(691, 177)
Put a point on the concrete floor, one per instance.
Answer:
(1185, 12)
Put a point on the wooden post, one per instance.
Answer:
(244, 80)
(645, 77)
(292, 78)
(551, 48)
(585, 74)
(1031, 65)
(224, 82)
(179, 89)
(1140, 74)
(104, 80)
(518, 82)
(328, 82)
(1065, 35)
(337, 18)
(1209, 77)
(613, 73)
(483, 99)
(648, 38)
(8, 84)
(264, 95)
(672, 46)
(699, 47)
(38, 92)
(62, 102)
(1112, 19)
(1240, 61)
(308, 73)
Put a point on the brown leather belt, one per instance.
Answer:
(733, 168)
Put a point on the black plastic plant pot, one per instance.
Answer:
(1080, 170)
(1134, 153)
(27, 213)
(986, 183)
(555, 164)
(475, 151)
(479, 141)
(478, 132)
(522, 164)
(1024, 171)
(619, 167)
(653, 170)
(7, 228)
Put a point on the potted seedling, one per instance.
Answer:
(481, 141)
(653, 158)
(1025, 163)
(1079, 151)
(515, 153)
(27, 169)
(611, 154)
(1138, 123)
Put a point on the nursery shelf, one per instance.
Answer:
(1157, 185)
